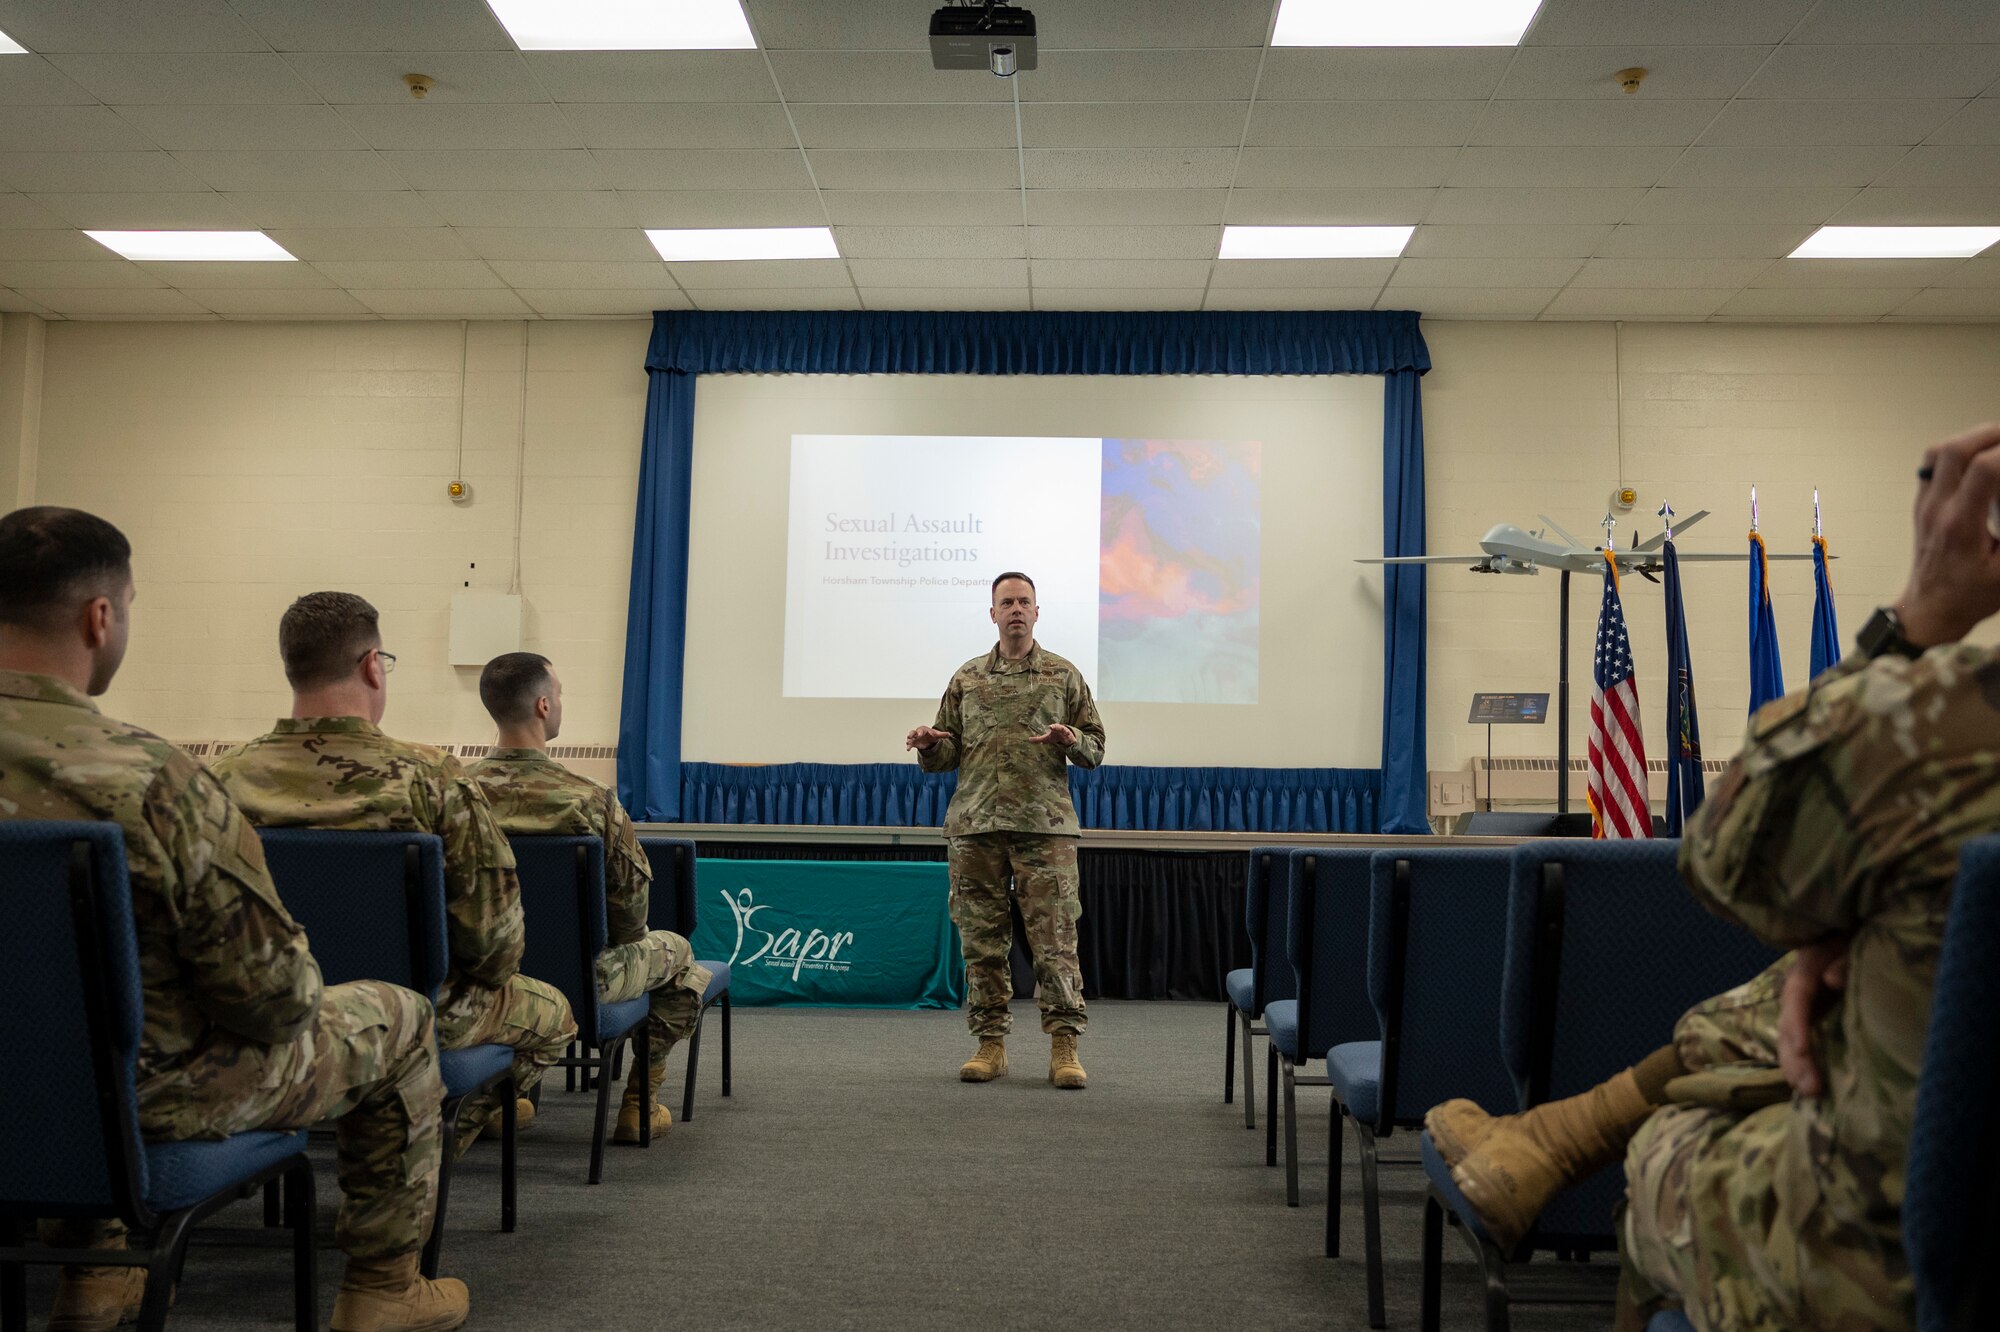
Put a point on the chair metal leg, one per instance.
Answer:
(13, 1283)
(1291, 1136)
(1270, 1105)
(694, 1062)
(603, 1110)
(1433, 1255)
(1371, 1224)
(618, 1062)
(169, 1250)
(642, 1053)
(724, 1002)
(304, 1203)
(509, 1123)
(1249, 1081)
(274, 1202)
(1335, 1148)
(1495, 1263)
(434, 1243)
(1229, 1053)
(570, 1069)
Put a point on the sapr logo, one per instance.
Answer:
(788, 949)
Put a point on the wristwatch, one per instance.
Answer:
(1884, 634)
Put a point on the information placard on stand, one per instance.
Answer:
(1505, 710)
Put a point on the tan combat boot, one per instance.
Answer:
(388, 1295)
(97, 1299)
(989, 1063)
(1458, 1127)
(1526, 1159)
(1064, 1070)
(628, 1112)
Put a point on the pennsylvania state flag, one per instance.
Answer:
(1826, 627)
(1684, 782)
(1767, 674)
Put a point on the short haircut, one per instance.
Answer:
(511, 683)
(324, 635)
(1005, 576)
(54, 560)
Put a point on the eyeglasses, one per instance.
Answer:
(388, 659)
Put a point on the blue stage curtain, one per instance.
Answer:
(1256, 342)
(1332, 800)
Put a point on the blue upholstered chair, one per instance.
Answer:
(373, 907)
(70, 991)
(1605, 949)
(674, 906)
(1286, 1053)
(1951, 1229)
(562, 893)
(1267, 976)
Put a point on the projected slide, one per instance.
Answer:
(1144, 554)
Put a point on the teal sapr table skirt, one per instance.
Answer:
(842, 934)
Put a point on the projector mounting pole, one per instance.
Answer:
(1562, 709)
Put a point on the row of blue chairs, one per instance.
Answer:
(373, 905)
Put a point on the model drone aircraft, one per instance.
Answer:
(1507, 549)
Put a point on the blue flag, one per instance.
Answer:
(1767, 674)
(1684, 784)
(1826, 626)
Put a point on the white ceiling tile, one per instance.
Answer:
(653, 125)
(583, 274)
(317, 169)
(721, 169)
(133, 212)
(940, 272)
(574, 243)
(1291, 298)
(333, 208)
(720, 208)
(1131, 168)
(49, 243)
(108, 271)
(1870, 23)
(440, 169)
(871, 76)
(245, 276)
(1879, 273)
(570, 303)
(13, 302)
(1135, 207)
(809, 25)
(769, 298)
(1956, 165)
(187, 79)
(1337, 207)
(127, 25)
(444, 302)
(932, 242)
(1467, 302)
(1425, 74)
(409, 273)
(1238, 273)
(1124, 242)
(1138, 76)
(1696, 240)
(1638, 302)
(1978, 122)
(1132, 124)
(1672, 71)
(1815, 303)
(445, 125)
(1345, 168)
(1116, 298)
(1827, 123)
(57, 173)
(1952, 303)
(1926, 205)
(956, 125)
(1672, 22)
(284, 304)
(1488, 272)
(199, 128)
(654, 76)
(18, 210)
(748, 273)
(1741, 204)
(461, 76)
(1572, 167)
(950, 298)
(69, 129)
(1702, 167)
(1361, 124)
(29, 80)
(1981, 271)
(1460, 205)
(1576, 122)
(1129, 23)
(1118, 272)
(526, 208)
(316, 243)
(970, 208)
(970, 169)
(113, 302)
(290, 26)
(1877, 71)
(1666, 274)
(1551, 241)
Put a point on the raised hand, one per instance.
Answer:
(923, 737)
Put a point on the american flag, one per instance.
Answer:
(1617, 777)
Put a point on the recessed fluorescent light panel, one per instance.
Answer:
(8, 46)
(625, 25)
(1314, 242)
(1409, 23)
(1896, 242)
(238, 246)
(745, 243)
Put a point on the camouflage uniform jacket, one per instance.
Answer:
(532, 793)
(1844, 815)
(990, 710)
(218, 953)
(343, 773)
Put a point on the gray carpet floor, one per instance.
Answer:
(853, 1182)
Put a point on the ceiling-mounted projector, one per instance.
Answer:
(1000, 38)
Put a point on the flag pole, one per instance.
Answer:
(1562, 707)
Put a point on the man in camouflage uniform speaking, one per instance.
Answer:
(1011, 722)
(240, 1033)
(532, 793)
(329, 765)
(1764, 1180)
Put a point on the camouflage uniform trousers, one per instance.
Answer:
(1043, 870)
(527, 1014)
(662, 966)
(369, 1063)
(1707, 1221)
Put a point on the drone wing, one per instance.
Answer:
(1558, 529)
(1680, 526)
(1430, 559)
